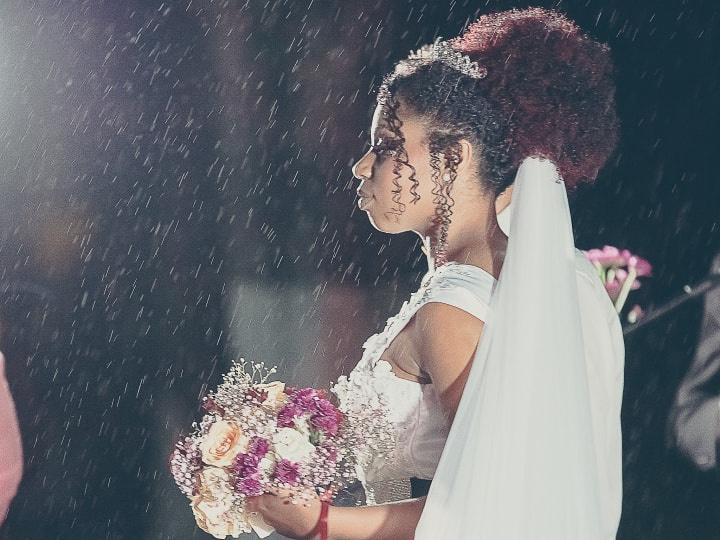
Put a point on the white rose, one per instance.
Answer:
(303, 426)
(292, 445)
(276, 396)
(212, 506)
(223, 442)
(267, 465)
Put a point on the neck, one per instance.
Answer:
(476, 240)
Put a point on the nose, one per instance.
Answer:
(362, 170)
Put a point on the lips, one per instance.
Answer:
(364, 203)
(364, 200)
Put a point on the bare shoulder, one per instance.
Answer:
(446, 338)
(445, 335)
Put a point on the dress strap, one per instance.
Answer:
(464, 286)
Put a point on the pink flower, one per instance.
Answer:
(246, 465)
(607, 256)
(621, 275)
(286, 416)
(305, 398)
(287, 471)
(326, 417)
(610, 256)
(259, 447)
(251, 486)
(642, 266)
(616, 283)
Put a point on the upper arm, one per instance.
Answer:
(447, 338)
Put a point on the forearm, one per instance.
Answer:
(697, 430)
(393, 521)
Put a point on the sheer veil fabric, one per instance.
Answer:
(519, 462)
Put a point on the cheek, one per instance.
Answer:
(384, 186)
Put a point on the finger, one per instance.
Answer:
(251, 504)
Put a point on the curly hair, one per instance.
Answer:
(548, 91)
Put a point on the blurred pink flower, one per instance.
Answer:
(610, 256)
(642, 266)
(635, 314)
(607, 256)
(614, 266)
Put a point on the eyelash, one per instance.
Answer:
(385, 148)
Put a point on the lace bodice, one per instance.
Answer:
(420, 428)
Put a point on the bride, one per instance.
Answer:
(503, 373)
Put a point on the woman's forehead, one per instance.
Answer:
(379, 127)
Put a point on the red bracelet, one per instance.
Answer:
(321, 527)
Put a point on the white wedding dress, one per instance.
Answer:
(420, 428)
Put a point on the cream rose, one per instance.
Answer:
(302, 426)
(267, 464)
(212, 506)
(223, 442)
(276, 396)
(292, 445)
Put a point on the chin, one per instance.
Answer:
(385, 225)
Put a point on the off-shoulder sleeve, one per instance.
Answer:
(467, 288)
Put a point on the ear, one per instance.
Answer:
(467, 155)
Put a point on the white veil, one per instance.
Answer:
(519, 462)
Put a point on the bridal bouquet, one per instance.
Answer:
(619, 270)
(257, 436)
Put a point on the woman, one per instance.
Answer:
(503, 372)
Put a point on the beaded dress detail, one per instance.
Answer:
(419, 428)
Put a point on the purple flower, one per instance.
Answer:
(259, 447)
(326, 418)
(304, 398)
(286, 416)
(250, 486)
(246, 465)
(326, 424)
(287, 471)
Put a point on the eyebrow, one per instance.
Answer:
(383, 133)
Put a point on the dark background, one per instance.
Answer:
(175, 191)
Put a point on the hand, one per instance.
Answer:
(291, 519)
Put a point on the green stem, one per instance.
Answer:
(625, 290)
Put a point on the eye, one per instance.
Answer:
(386, 147)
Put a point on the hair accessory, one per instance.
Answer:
(441, 51)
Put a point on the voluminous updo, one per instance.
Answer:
(548, 91)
